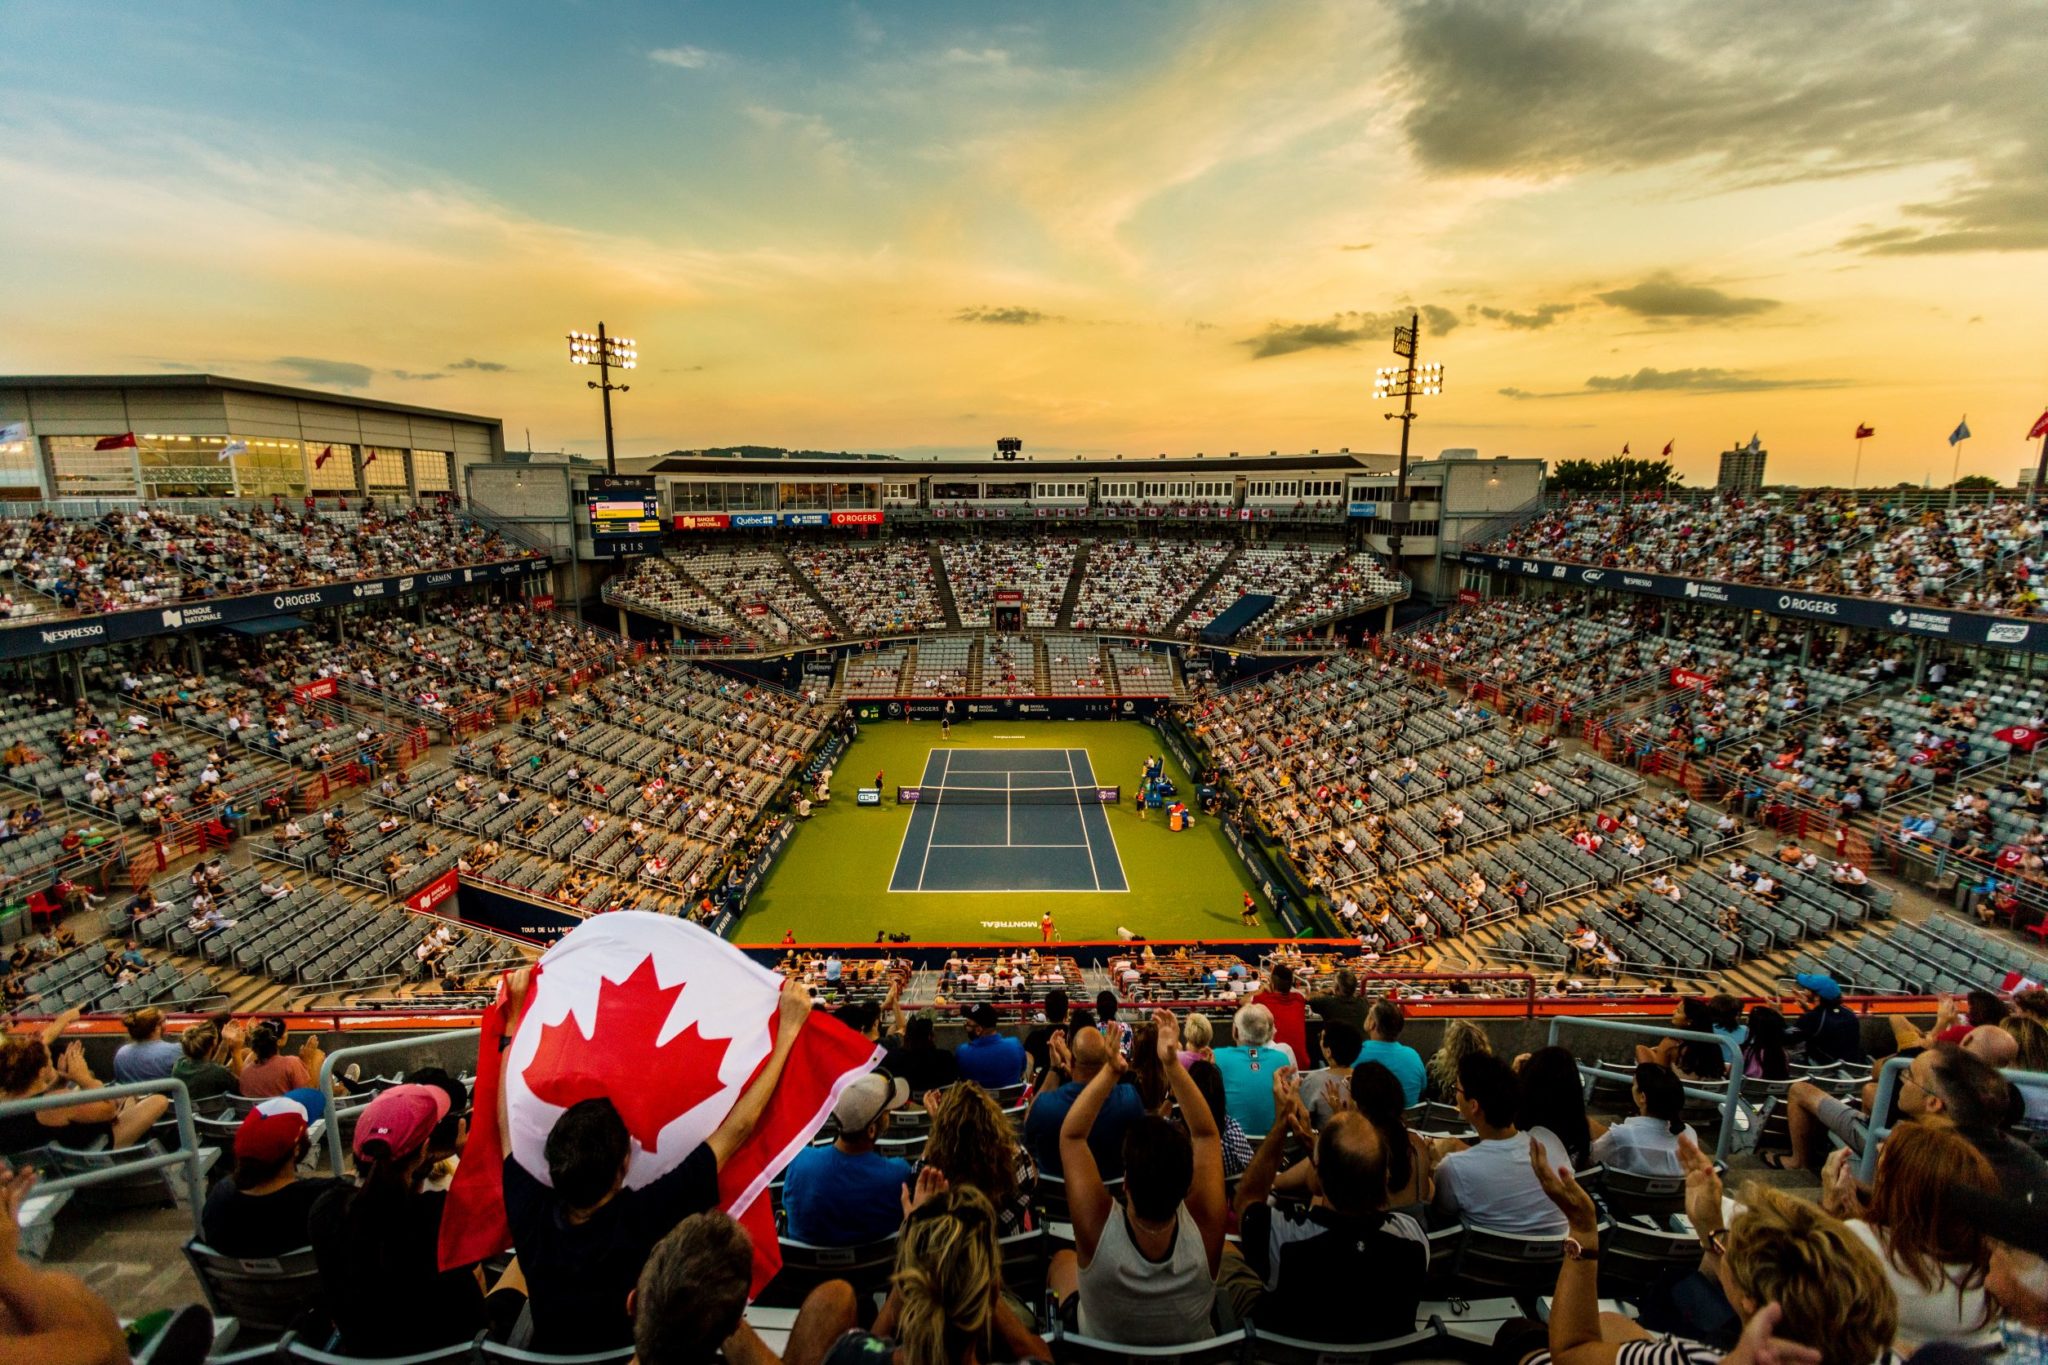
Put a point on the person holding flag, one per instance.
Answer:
(645, 1070)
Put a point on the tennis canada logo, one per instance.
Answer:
(2005, 634)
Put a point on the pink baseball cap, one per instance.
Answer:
(401, 1118)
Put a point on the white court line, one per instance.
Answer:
(1114, 852)
(1075, 778)
(904, 842)
(1009, 845)
(945, 761)
(1006, 808)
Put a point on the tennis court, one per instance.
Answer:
(1003, 820)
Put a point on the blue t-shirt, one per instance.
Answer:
(151, 1061)
(1248, 1085)
(1105, 1139)
(1404, 1061)
(844, 1199)
(991, 1061)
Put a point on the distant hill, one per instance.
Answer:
(769, 453)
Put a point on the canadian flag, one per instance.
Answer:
(669, 1022)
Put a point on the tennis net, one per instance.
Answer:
(959, 794)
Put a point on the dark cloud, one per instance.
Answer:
(1705, 379)
(1746, 92)
(1543, 316)
(340, 374)
(416, 378)
(1666, 296)
(487, 366)
(1345, 329)
(1013, 317)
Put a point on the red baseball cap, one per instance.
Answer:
(271, 1131)
(401, 1118)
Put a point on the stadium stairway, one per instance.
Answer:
(810, 590)
(1201, 590)
(1041, 668)
(945, 586)
(1073, 593)
(974, 673)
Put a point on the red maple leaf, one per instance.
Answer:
(651, 1086)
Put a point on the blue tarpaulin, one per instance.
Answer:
(1241, 613)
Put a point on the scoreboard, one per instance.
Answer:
(623, 505)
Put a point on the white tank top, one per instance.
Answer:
(1133, 1301)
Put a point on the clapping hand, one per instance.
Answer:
(1169, 1037)
(1580, 1216)
(1760, 1345)
(931, 1182)
(1702, 1186)
(1058, 1055)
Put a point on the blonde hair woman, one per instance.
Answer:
(1462, 1038)
(1196, 1036)
(973, 1144)
(946, 1294)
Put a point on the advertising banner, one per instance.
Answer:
(752, 520)
(1685, 677)
(702, 521)
(1364, 509)
(806, 519)
(544, 602)
(868, 517)
(318, 690)
(1963, 627)
(429, 898)
(29, 640)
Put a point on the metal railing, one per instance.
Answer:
(1729, 1099)
(1887, 1091)
(187, 1154)
(338, 1060)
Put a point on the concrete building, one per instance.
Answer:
(1742, 468)
(288, 441)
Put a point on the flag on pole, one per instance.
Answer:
(369, 459)
(17, 431)
(1863, 431)
(2040, 427)
(669, 1022)
(1756, 445)
(1667, 447)
(125, 441)
(1624, 447)
(1961, 433)
(232, 449)
(323, 457)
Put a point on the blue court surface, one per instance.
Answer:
(1008, 820)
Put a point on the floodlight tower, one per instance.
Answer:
(605, 352)
(1407, 383)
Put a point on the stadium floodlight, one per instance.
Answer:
(608, 353)
(1406, 382)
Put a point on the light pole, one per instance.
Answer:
(1407, 383)
(605, 352)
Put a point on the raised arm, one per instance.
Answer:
(518, 990)
(1206, 1199)
(55, 1319)
(1257, 1181)
(1575, 1306)
(790, 1012)
(1088, 1203)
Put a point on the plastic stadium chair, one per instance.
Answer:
(1272, 1348)
(1231, 1348)
(1633, 1256)
(490, 1351)
(265, 1294)
(295, 1351)
(805, 1267)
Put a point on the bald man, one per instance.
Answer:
(1992, 1046)
(1310, 1262)
(1068, 1071)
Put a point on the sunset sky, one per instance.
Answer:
(1124, 226)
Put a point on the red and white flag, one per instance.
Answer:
(1864, 432)
(2020, 737)
(323, 457)
(125, 441)
(2040, 427)
(669, 1022)
(1624, 447)
(1667, 446)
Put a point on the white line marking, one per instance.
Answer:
(1114, 852)
(945, 761)
(1075, 778)
(1006, 808)
(904, 842)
